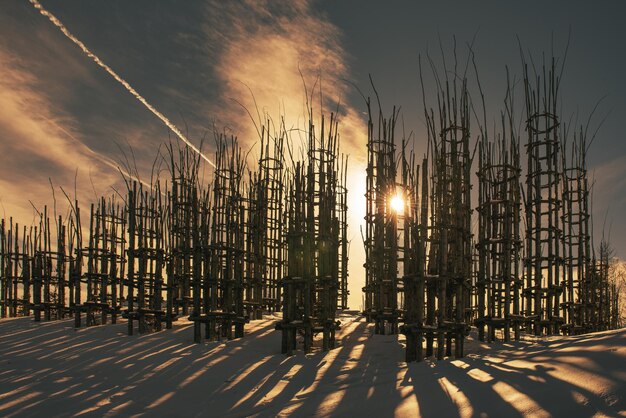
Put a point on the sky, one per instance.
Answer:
(65, 120)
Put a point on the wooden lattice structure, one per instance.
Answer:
(578, 306)
(449, 260)
(312, 282)
(499, 243)
(187, 243)
(343, 243)
(223, 272)
(265, 226)
(145, 259)
(383, 289)
(49, 271)
(103, 272)
(600, 289)
(15, 269)
(414, 276)
(438, 236)
(543, 203)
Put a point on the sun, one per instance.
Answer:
(397, 204)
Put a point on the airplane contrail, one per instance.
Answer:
(119, 79)
(102, 158)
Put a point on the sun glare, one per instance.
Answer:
(397, 204)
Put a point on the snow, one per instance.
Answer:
(51, 369)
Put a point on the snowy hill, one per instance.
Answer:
(50, 369)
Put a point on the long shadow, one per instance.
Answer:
(261, 383)
(78, 372)
(532, 386)
(325, 377)
(99, 371)
(360, 377)
(559, 372)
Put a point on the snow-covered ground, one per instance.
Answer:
(51, 369)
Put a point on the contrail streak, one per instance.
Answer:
(102, 158)
(119, 79)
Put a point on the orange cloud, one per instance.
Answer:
(271, 49)
(39, 142)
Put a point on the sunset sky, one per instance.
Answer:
(194, 61)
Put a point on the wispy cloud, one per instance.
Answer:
(53, 19)
(39, 142)
(269, 49)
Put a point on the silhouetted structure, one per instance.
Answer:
(383, 289)
(499, 243)
(315, 230)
